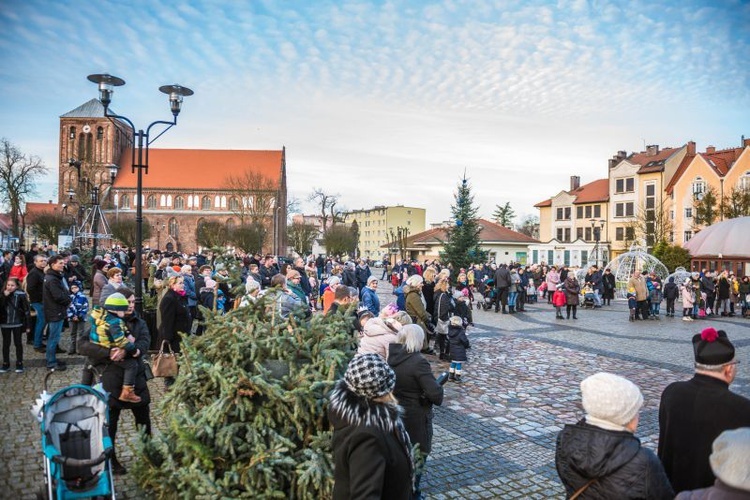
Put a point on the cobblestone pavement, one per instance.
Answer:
(495, 433)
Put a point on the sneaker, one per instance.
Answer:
(687, 318)
(19, 367)
(5, 368)
(59, 367)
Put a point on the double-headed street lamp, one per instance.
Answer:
(139, 163)
(597, 226)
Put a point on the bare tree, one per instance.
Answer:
(736, 203)
(211, 234)
(48, 225)
(327, 203)
(529, 226)
(301, 237)
(652, 225)
(18, 173)
(124, 230)
(253, 196)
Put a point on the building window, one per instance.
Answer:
(559, 214)
(579, 212)
(99, 133)
(125, 201)
(179, 203)
(560, 234)
(566, 234)
(579, 233)
(624, 209)
(671, 236)
(72, 133)
(151, 201)
(223, 202)
(671, 215)
(217, 201)
(625, 185)
(630, 233)
(619, 234)
(699, 188)
(234, 204)
(563, 213)
(686, 236)
(650, 196)
(195, 201)
(597, 211)
(163, 201)
(588, 234)
(169, 200)
(173, 228)
(745, 182)
(688, 214)
(588, 212)
(206, 203)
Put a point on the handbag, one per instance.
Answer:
(442, 325)
(165, 362)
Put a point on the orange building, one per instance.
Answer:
(182, 188)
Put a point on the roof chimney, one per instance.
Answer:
(612, 162)
(652, 150)
(621, 155)
(745, 142)
(710, 150)
(691, 148)
(575, 182)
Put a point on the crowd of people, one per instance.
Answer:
(384, 403)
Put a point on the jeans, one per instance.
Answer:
(512, 296)
(53, 338)
(39, 308)
(655, 308)
(597, 299)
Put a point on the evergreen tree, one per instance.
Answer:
(461, 247)
(247, 415)
(504, 215)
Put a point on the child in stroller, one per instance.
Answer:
(588, 297)
(489, 294)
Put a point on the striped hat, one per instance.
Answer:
(116, 302)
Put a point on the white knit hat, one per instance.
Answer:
(731, 456)
(611, 398)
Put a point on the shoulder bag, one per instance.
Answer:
(164, 363)
(441, 325)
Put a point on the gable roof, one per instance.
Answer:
(489, 233)
(721, 162)
(90, 109)
(37, 208)
(652, 163)
(594, 192)
(199, 168)
(545, 203)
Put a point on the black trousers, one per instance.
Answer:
(670, 306)
(15, 333)
(142, 415)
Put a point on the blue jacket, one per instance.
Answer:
(400, 298)
(192, 297)
(371, 301)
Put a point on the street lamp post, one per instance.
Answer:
(139, 161)
(596, 228)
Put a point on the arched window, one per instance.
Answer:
(195, 201)
(234, 204)
(162, 201)
(179, 202)
(173, 228)
(151, 201)
(169, 200)
(125, 201)
(99, 133)
(223, 202)
(72, 133)
(217, 201)
(116, 199)
(190, 201)
(206, 203)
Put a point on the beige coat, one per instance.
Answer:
(378, 333)
(639, 284)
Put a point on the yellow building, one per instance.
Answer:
(380, 225)
(638, 205)
(720, 171)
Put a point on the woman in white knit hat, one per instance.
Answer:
(599, 457)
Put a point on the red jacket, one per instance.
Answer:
(558, 298)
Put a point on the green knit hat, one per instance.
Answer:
(116, 302)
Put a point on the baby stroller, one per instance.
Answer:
(75, 442)
(588, 299)
(489, 295)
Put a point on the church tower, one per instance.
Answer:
(87, 136)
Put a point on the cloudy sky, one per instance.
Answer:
(390, 102)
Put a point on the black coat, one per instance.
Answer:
(55, 297)
(458, 343)
(608, 286)
(443, 306)
(370, 461)
(111, 372)
(691, 415)
(428, 291)
(621, 466)
(35, 285)
(502, 277)
(175, 319)
(349, 277)
(14, 309)
(671, 290)
(416, 391)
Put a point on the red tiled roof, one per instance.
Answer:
(720, 161)
(545, 203)
(651, 163)
(594, 192)
(490, 233)
(5, 222)
(678, 173)
(198, 168)
(34, 208)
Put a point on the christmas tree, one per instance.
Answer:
(461, 247)
(247, 415)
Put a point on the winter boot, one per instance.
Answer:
(128, 395)
(512, 309)
(458, 379)
(72, 349)
(504, 310)
(452, 377)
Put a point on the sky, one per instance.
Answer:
(389, 102)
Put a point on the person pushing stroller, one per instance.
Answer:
(108, 330)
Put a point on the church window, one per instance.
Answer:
(151, 201)
(173, 228)
(195, 201)
(179, 202)
(217, 201)
(206, 203)
(234, 204)
(125, 201)
(162, 201)
(99, 133)
(223, 202)
(72, 133)
(169, 200)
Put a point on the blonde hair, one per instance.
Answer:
(414, 280)
(173, 279)
(292, 273)
(444, 273)
(403, 318)
(429, 274)
(442, 285)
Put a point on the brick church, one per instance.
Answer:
(182, 188)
